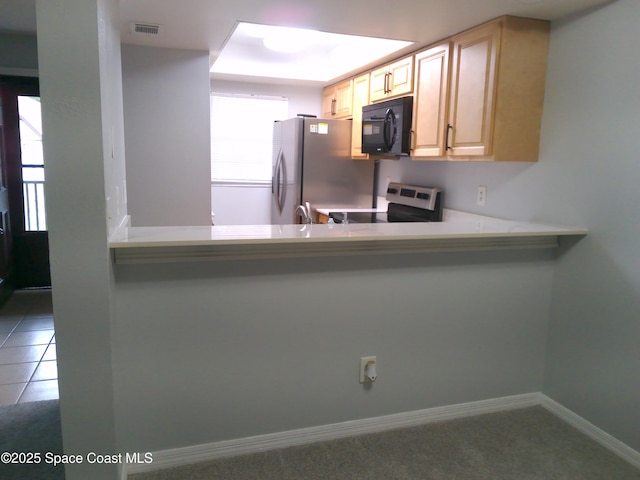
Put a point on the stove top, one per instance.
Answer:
(359, 217)
(407, 203)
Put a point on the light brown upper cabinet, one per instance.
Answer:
(360, 99)
(392, 80)
(430, 101)
(497, 90)
(337, 100)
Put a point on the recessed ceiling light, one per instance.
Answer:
(299, 54)
(290, 40)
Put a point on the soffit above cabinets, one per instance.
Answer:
(206, 24)
(209, 24)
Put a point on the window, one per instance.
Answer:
(242, 136)
(32, 164)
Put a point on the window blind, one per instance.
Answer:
(241, 136)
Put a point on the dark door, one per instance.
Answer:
(5, 225)
(27, 249)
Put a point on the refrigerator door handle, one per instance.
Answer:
(274, 176)
(280, 179)
(273, 179)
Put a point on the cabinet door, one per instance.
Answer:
(401, 77)
(344, 99)
(360, 99)
(328, 102)
(471, 103)
(336, 100)
(392, 80)
(378, 90)
(430, 101)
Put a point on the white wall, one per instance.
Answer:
(113, 143)
(224, 350)
(166, 114)
(78, 49)
(242, 204)
(302, 99)
(588, 176)
(593, 364)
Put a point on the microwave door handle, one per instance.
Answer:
(389, 121)
(385, 134)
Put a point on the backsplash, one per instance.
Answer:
(507, 184)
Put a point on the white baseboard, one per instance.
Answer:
(603, 438)
(261, 443)
(202, 453)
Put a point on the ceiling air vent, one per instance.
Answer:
(145, 29)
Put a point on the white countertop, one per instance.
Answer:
(383, 204)
(458, 231)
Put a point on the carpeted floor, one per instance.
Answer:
(31, 427)
(526, 444)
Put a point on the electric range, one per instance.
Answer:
(407, 203)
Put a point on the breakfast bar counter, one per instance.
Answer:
(458, 232)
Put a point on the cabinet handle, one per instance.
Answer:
(387, 82)
(446, 139)
(333, 106)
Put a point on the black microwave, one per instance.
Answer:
(386, 127)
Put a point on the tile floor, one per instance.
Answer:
(28, 369)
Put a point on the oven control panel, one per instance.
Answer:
(412, 195)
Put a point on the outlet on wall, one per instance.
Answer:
(482, 196)
(368, 369)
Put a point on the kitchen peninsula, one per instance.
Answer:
(458, 232)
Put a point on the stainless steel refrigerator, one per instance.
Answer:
(312, 163)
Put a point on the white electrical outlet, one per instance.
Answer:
(482, 196)
(368, 367)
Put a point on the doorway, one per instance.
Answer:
(24, 241)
